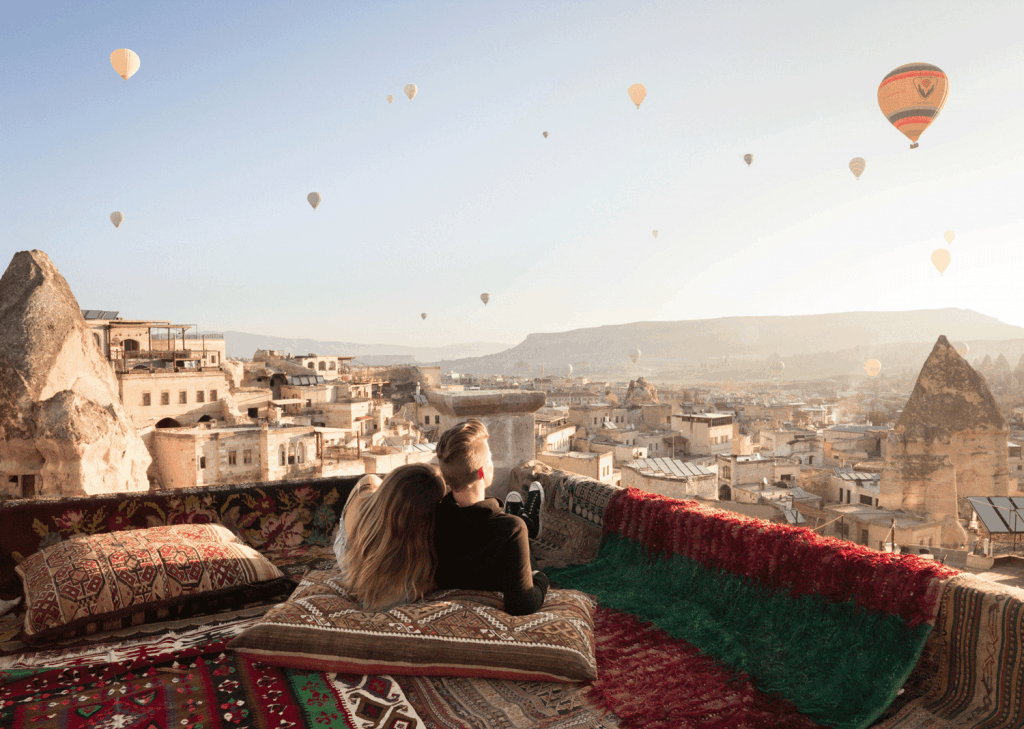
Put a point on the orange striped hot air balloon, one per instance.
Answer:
(857, 165)
(911, 96)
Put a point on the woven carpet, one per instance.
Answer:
(832, 628)
(572, 515)
(979, 678)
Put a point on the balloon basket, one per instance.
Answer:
(914, 145)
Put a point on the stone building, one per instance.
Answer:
(672, 478)
(950, 442)
(598, 466)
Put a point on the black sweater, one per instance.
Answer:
(479, 547)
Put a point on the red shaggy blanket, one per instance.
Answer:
(779, 556)
(651, 680)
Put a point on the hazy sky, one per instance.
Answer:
(240, 109)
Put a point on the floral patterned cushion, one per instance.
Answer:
(449, 633)
(101, 582)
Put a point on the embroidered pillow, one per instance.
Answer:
(90, 584)
(449, 633)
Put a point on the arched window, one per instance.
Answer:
(310, 365)
(323, 366)
(97, 338)
(130, 345)
(302, 452)
(283, 461)
(291, 454)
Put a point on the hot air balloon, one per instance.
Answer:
(637, 92)
(423, 316)
(941, 259)
(485, 298)
(635, 355)
(911, 96)
(125, 62)
(314, 199)
(748, 158)
(778, 365)
(857, 166)
(116, 218)
(872, 367)
(390, 98)
(962, 349)
(568, 370)
(654, 233)
(545, 135)
(949, 235)
(410, 90)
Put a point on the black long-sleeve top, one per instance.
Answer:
(479, 547)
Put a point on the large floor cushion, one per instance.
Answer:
(449, 633)
(89, 584)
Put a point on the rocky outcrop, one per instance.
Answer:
(640, 392)
(1001, 373)
(61, 418)
(949, 443)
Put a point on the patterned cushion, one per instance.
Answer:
(449, 633)
(88, 584)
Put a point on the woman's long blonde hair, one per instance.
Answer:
(390, 558)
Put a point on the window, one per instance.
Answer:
(202, 462)
(291, 454)
(232, 458)
(426, 420)
(437, 420)
(145, 399)
(310, 365)
(247, 455)
(283, 461)
(331, 366)
(254, 412)
(165, 398)
(182, 397)
(213, 359)
(200, 396)
(866, 500)
(213, 396)
(302, 453)
(323, 366)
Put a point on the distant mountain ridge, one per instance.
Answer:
(242, 344)
(687, 343)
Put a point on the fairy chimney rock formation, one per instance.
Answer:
(61, 418)
(949, 443)
(640, 392)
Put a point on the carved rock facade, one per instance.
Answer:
(61, 419)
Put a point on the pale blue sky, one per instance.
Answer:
(240, 109)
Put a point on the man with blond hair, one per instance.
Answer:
(479, 546)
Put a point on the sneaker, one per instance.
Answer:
(514, 503)
(534, 507)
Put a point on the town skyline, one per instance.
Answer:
(211, 148)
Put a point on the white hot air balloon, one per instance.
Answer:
(568, 370)
(314, 199)
(390, 98)
(654, 233)
(949, 235)
(410, 90)
(126, 62)
(485, 298)
(117, 218)
(635, 355)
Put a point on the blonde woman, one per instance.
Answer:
(387, 536)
